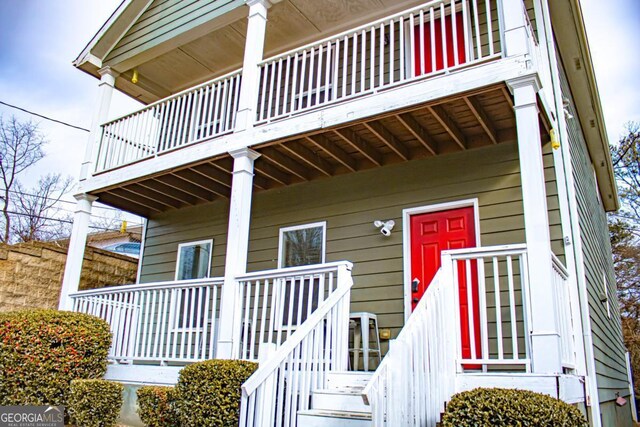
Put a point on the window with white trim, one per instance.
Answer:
(299, 246)
(605, 295)
(194, 260)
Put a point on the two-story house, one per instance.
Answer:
(278, 142)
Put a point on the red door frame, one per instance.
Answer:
(407, 214)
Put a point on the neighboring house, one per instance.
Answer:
(126, 242)
(276, 134)
(31, 273)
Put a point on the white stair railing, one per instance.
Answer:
(282, 385)
(157, 322)
(196, 114)
(560, 278)
(409, 45)
(417, 376)
(272, 304)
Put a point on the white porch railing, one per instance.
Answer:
(282, 385)
(417, 376)
(272, 304)
(493, 319)
(157, 322)
(563, 309)
(199, 113)
(409, 45)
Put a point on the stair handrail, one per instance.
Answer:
(275, 360)
(393, 381)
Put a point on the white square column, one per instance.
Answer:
(237, 248)
(75, 254)
(253, 53)
(545, 340)
(100, 114)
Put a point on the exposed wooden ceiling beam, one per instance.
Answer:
(418, 132)
(389, 138)
(302, 153)
(124, 204)
(212, 172)
(156, 185)
(448, 124)
(204, 182)
(482, 118)
(285, 163)
(334, 151)
(507, 96)
(182, 185)
(226, 165)
(271, 172)
(163, 198)
(360, 144)
(136, 199)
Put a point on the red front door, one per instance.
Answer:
(432, 57)
(432, 233)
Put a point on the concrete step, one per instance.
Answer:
(348, 379)
(322, 418)
(338, 399)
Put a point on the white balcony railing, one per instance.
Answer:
(493, 319)
(564, 319)
(203, 112)
(157, 322)
(428, 40)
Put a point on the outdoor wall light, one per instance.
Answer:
(134, 78)
(385, 226)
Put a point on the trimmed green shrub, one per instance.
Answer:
(95, 403)
(41, 351)
(208, 393)
(506, 407)
(157, 406)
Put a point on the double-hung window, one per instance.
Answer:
(194, 262)
(299, 246)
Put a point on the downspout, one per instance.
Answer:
(593, 408)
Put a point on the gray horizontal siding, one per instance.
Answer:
(349, 204)
(598, 266)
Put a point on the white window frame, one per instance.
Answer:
(605, 286)
(197, 242)
(283, 230)
(406, 238)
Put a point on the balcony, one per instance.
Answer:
(436, 39)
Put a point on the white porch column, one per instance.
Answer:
(545, 340)
(253, 51)
(514, 28)
(100, 114)
(237, 248)
(75, 254)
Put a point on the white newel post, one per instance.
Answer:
(514, 28)
(253, 51)
(100, 114)
(75, 254)
(545, 340)
(237, 247)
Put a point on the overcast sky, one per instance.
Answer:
(40, 38)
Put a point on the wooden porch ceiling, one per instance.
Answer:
(461, 122)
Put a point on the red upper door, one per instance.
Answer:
(431, 233)
(433, 56)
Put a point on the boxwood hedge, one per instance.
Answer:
(95, 403)
(505, 407)
(41, 351)
(157, 406)
(208, 393)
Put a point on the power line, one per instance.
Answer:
(45, 117)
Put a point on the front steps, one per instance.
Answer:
(340, 404)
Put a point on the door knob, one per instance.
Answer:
(414, 284)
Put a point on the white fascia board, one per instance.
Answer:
(335, 115)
